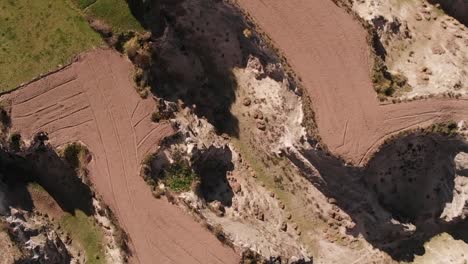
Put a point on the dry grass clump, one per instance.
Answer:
(5, 122)
(5, 119)
(139, 52)
(250, 257)
(77, 156)
(247, 33)
(146, 170)
(449, 128)
(387, 84)
(159, 115)
(141, 84)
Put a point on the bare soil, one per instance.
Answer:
(93, 101)
(328, 50)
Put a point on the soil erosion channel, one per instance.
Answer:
(93, 101)
(327, 48)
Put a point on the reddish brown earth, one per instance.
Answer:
(327, 48)
(93, 101)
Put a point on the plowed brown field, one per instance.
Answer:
(327, 48)
(93, 101)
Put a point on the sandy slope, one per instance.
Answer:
(327, 48)
(94, 101)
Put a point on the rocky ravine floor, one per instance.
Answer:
(93, 101)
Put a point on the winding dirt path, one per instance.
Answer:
(93, 101)
(328, 49)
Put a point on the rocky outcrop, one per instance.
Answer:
(39, 242)
(457, 209)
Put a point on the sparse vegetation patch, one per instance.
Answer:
(77, 155)
(387, 84)
(83, 230)
(179, 177)
(447, 128)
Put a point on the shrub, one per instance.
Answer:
(148, 159)
(156, 117)
(76, 155)
(4, 117)
(385, 83)
(447, 128)
(219, 233)
(15, 141)
(138, 75)
(247, 33)
(179, 177)
(144, 93)
(131, 48)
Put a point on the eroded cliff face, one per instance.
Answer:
(44, 203)
(38, 242)
(31, 236)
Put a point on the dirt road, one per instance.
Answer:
(93, 101)
(327, 48)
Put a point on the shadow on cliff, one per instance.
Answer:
(194, 57)
(148, 13)
(397, 199)
(47, 169)
(213, 166)
(14, 176)
(61, 181)
(455, 8)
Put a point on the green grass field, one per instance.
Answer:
(38, 35)
(115, 13)
(84, 231)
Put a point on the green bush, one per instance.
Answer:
(179, 177)
(447, 128)
(156, 117)
(75, 154)
(387, 84)
(4, 117)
